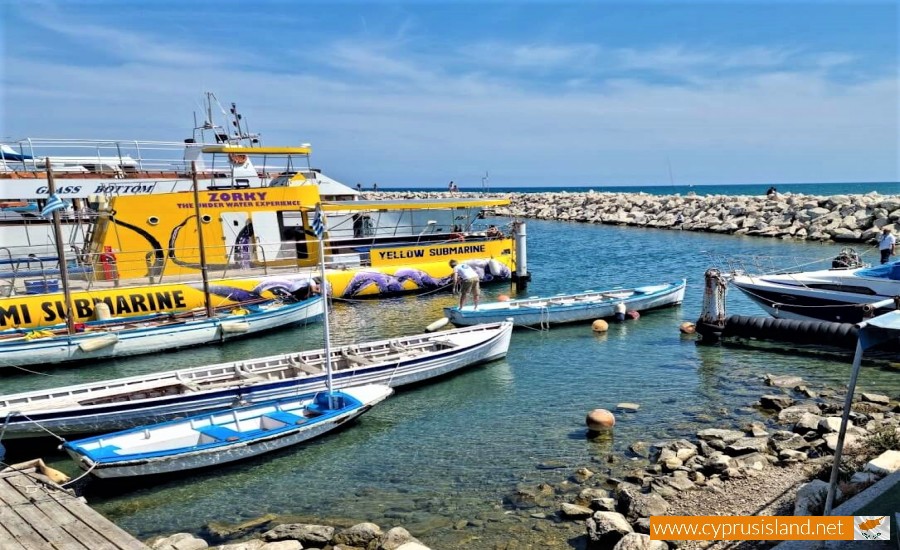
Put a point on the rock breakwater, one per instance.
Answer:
(842, 218)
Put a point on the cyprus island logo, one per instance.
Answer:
(871, 528)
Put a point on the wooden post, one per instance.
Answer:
(61, 253)
(210, 311)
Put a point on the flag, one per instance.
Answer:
(318, 223)
(54, 203)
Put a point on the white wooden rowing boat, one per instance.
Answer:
(206, 440)
(45, 347)
(133, 401)
(568, 308)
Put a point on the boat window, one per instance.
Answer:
(844, 288)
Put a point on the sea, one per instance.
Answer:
(446, 459)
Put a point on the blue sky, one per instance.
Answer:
(421, 93)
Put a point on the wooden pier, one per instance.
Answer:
(37, 514)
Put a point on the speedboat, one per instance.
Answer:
(839, 294)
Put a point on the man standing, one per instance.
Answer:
(886, 244)
(467, 279)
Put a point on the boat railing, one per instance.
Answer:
(132, 159)
(764, 264)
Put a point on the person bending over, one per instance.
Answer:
(466, 279)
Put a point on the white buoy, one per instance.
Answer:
(437, 325)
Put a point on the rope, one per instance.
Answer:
(79, 478)
(36, 423)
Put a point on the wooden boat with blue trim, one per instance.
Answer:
(121, 403)
(150, 334)
(205, 440)
(569, 308)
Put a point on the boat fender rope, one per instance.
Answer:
(79, 478)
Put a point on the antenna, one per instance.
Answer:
(485, 181)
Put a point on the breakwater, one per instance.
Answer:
(842, 218)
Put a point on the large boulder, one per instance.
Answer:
(810, 500)
(775, 402)
(574, 511)
(308, 534)
(607, 528)
(727, 436)
(359, 535)
(179, 541)
(635, 504)
(886, 463)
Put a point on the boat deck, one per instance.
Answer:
(36, 514)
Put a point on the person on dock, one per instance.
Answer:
(886, 244)
(358, 187)
(375, 187)
(466, 279)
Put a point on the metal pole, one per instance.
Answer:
(323, 290)
(521, 234)
(210, 312)
(60, 252)
(835, 467)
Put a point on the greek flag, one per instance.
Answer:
(318, 223)
(54, 203)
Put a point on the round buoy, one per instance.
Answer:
(599, 420)
(688, 327)
(437, 325)
(599, 326)
(503, 298)
(633, 314)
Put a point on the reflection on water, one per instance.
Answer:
(453, 449)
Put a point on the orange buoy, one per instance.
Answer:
(599, 420)
(633, 314)
(503, 298)
(599, 326)
(688, 327)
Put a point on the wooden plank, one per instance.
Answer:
(21, 530)
(20, 493)
(65, 519)
(96, 521)
(7, 540)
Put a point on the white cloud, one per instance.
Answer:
(385, 111)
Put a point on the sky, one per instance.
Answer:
(415, 94)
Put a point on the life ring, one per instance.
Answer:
(237, 158)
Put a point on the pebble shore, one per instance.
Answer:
(841, 218)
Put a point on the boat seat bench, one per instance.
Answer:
(220, 432)
(286, 417)
(106, 451)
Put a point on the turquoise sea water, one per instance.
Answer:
(440, 459)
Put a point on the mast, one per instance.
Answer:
(210, 313)
(318, 227)
(54, 205)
